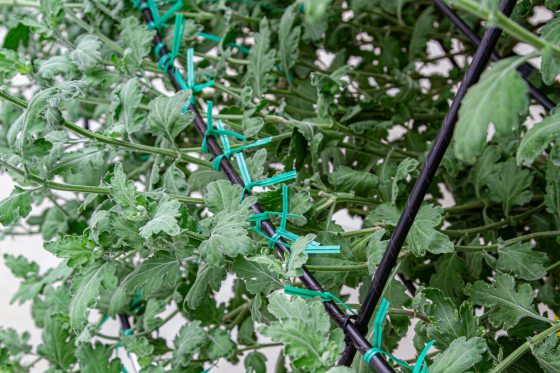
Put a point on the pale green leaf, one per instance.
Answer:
(136, 39)
(77, 249)
(87, 53)
(499, 98)
(258, 278)
(288, 38)
(461, 355)
(548, 354)
(261, 61)
(550, 67)
(404, 170)
(95, 359)
(297, 258)
(538, 138)
(349, 180)
(522, 261)
(166, 118)
(510, 185)
(16, 206)
(158, 272)
(187, 342)
(164, 220)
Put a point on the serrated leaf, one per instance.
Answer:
(446, 322)
(95, 359)
(422, 28)
(164, 220)
(205, 276)
(136, 39)
(16, 206)
(499, 98)
(261, 61)
(187, 342)
(222, 195)
(550, 68)
(56, 65)
(349, 180)
(521, 260)
(122, 190)
(548, 354)
(375, 250)
(288, 38)
(20, 266)
(510, 304)
(255, 362)
(87, 53)
(90, 157)
(129, 98)
(166, 118)
(424, 237)
(552, 196)
(57, 344)
(510, 185)
(485, 168)
(461, 355)
(258, 278)
(77, 249)
(85, 290)
(404, 170)
(447, 275)
(11, 64)
(297, 258)
(538, 138)
(158, 272)
(221, 345)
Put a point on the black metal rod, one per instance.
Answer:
(525, 69)
(307, 279)
(431, 164)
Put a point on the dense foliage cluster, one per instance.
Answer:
(352, 94)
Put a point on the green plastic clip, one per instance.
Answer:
(211, 131)
(159, 22)
(228, 152)
(190, 84)
(419, 367)
(325, 296)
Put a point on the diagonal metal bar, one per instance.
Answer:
(340, 318)
(525, 69)
(431, 164)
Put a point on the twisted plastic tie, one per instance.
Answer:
(227, 151)
(325, 296)
(211, 131)
(167, 60)
(419, 367)
(218, 39)
(191, 78)
(159, 21)
(282, 231)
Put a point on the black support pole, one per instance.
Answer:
(340, 318)
(431, 164)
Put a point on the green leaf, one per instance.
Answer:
(349, 180)
(128, 96)
(485, 168)
(422, 29)
(123, 191)
(166, 118)
(87, 53)
(258, 278)
(56, 65)
(164, 220)
(375, 250)
(304, 329)
(136, 39)
(547, 355)
(156, 273)
(21, 267)
(95, 359)
(550, 68)
(16, 206)
(461, 355)
(255, 362)
(187, 342)
(77, 249)
(222, 195)
(404, 170)
(297, 258)
(13, 342)
(58, 344)
(446, 322)
(221, 345)
(288, 39)
(447, 275)
(522, 261)
(510, 304)
(85, 290)
(499, 98)
(11, 64)
(261, 61)
(424, 237)
(510, 185)
(538, 138)
(227, 236)
(205, 276)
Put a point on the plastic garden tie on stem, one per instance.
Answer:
(159, 21)
(249, 184)
(191, 79)
(218, 39)
(282, 231)
(325, 296)
(227, 151)
(211, 131)
(420, 367)
(167, 60)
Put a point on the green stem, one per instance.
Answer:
(553, 266)
(511, 241)
(519, 351)
(359, 232)
(261, 345)
(505, 23)
(84, 188)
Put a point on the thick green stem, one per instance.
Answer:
(504, 364)
(338, 268)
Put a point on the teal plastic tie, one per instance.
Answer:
(282, 231)
(419, 367)
(211, 131)
(228, 152)
(325, 296)
(159, 22)
(249, 184)
(167, 60)
(191, 78)
(218, 39)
